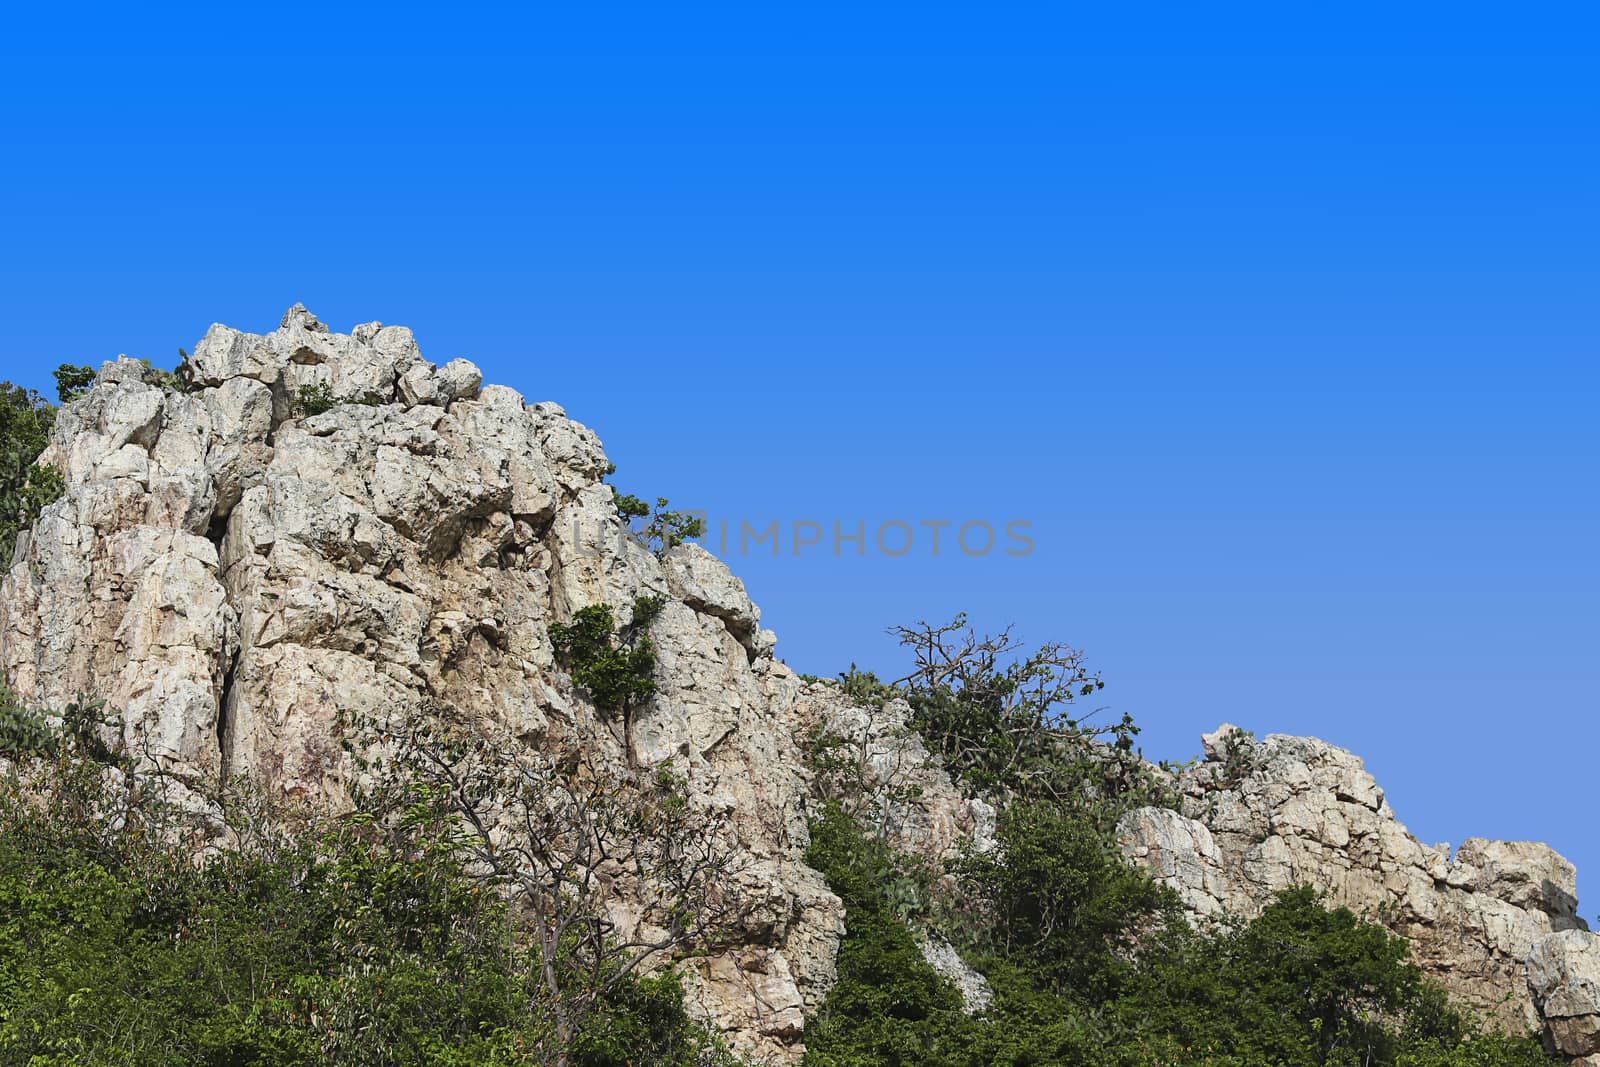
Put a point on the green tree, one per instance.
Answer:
(615, 665)
(1057, 901)
(72, 382)
(1004, 719)
(663, 528)
(889, 1006)
(26, 488)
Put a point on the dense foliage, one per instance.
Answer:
(1089, 967)
(25, 487)
(615, 665)
(311, 940)
(1088, 960)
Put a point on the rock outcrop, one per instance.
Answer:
(1564, 979)
(241, 578)
(321, 527)
(1496, 923)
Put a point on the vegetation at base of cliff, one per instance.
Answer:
(1089, 961)
(615, 665)
(309, 940)
(1089, 966)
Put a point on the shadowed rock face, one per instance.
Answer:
(1496, 924)
(1564, 979)
(239, 581)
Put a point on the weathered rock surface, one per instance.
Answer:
(1259, 817)
(241, 582)
(903, 791)
(1564, 978)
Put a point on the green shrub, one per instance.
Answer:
(24, 733)
(314, 940)
(889, 1005)
(1060, 903)
(615, 666)
(1005, 723)
(664, 528)
(26, 488)
(72, 382)
(314, 399)
(178, 380)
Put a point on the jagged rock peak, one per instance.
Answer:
(240, 571)
(297, 313)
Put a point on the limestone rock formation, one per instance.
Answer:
(1564, 978)
(241, 571)
(239, 579)
(1261, 816)
(910, 798)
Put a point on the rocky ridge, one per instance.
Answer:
(238, 578)
(1496, 922)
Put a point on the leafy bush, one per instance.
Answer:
(663, 529)
(617, 667)
(889, 1005)
(1089, 961)
(25, 487)
(1308, 985)
(1057, 901)
(24, 733)
(313, 940)
(314, 399)
(72, 382)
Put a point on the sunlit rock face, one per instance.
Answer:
(1259, 817)
(242, 579)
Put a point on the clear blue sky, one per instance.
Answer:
(1277, 322)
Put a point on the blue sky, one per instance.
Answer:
(1278, 324)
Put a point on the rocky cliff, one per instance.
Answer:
(241, 577)
(239, 580)
(1495, 922)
